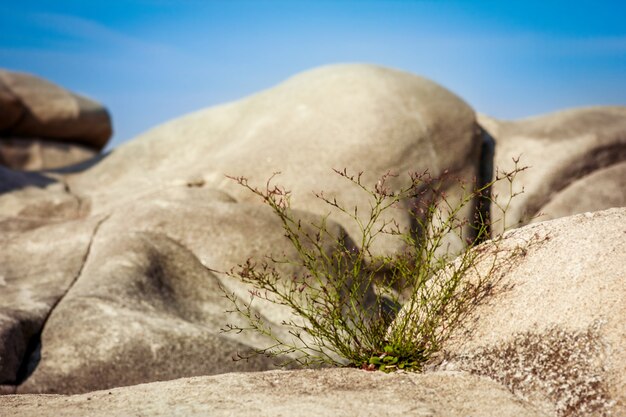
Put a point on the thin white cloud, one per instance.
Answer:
(95, 32)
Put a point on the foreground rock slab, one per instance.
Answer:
(329, 392)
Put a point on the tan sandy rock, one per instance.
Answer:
(329, 392)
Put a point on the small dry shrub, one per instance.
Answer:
(345, 300)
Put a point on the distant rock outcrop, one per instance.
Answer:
(110, 276)
(43, 126)
(577, 161)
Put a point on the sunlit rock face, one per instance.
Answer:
(110, 272)
(44, 126)
(358, 117)
(552, 330)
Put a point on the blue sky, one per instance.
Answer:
(152, 60)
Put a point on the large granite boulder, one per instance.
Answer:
(576, 163)
(329, 392)
(44, 126)
(552, 330)
(358, 117)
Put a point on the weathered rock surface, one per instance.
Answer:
(554, 329)
(29, 200)
(565, 151)
(30, 287)
(146, 310)
(329, 392)
(117, 261)
(601, 189)
(44, 126)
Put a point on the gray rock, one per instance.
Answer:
(601, 189)
(29, 200)
(144, 309)
(148, 305)
(561, 149)
(36, 270)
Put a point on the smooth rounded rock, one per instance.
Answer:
(150, 303)
(552, 328)
(357, 117)
(602, 189)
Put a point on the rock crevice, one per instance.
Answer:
(32, 354)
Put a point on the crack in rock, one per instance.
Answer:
(32, 355)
